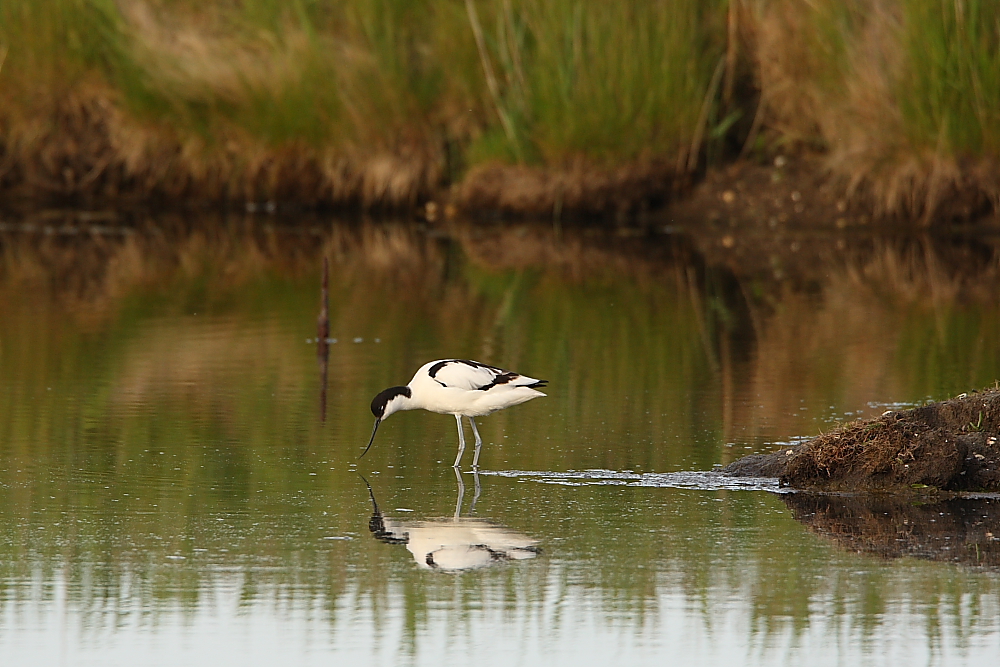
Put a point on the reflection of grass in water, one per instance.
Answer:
(521, 299)
(198, 277)
(615, 334)
(939, 299)
(230, 448)
(907, 319)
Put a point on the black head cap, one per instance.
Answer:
(379, 402)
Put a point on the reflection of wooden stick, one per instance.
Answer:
(323, 321)
(322, 336)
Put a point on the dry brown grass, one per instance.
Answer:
(87, 148)
(204, 111)
(834, 77)
(580, 189)
(362, 103)
(382, 105)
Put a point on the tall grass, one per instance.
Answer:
(902, 95)
(252, 100)
(386, 101)
(949, 94)
(233, 98)
(608, 81)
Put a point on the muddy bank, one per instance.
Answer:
(780, 193)
(951, 445)
(747, 196)
(765, 196)
(627, 193)
(963, 530)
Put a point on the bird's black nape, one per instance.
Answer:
(386, 395)
(377, 422)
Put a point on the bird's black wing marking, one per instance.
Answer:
(476, 376)
(503, 378)
(433, 370)
(436, 368)
(470, 375)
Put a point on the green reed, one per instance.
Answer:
(224, 87)
(949, 92)
(608, 81)
(53, 42)
(605, 81)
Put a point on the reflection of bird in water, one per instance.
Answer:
(457, 387)
(455, 544)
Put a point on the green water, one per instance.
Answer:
(175, 490)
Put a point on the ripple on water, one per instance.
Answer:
(710, 480)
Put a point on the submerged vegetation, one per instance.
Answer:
(524, 105)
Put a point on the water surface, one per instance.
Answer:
(176, 489)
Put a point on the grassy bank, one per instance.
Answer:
(902, 96)
(524, 105)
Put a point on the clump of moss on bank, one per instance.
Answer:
(951, 445)
(525, 106)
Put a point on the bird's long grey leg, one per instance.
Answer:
(479, 444)
(461, 441)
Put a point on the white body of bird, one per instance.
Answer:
(469, 389)
(457, 387)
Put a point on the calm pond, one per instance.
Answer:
(180, 485)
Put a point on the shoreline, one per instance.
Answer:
(885, 113)
(943, 446)
(743, 197)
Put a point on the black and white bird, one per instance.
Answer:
(457, 387)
